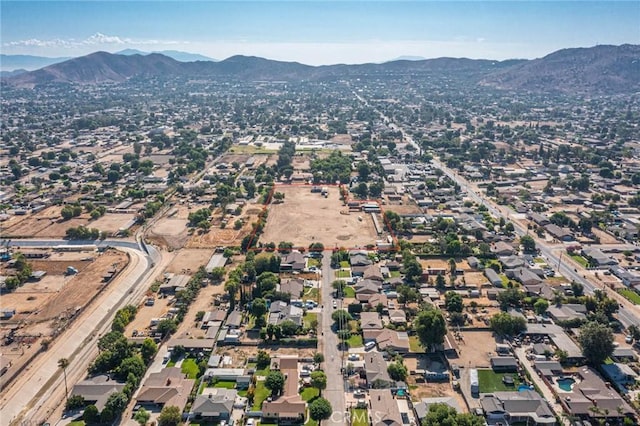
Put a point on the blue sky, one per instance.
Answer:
(317, 32)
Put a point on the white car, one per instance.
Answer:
(628, 339)
(335, 304)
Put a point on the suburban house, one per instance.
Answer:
(280, 311)
(562, 234)
(96, 390)
(548, 369)
(383, 408)
(174, 284)
(365, 288)
(502, 249)
(370, 321)
(504, 364)
(397, 341)
(567, 312)
(288, 408)
(397, 317)
(559, 337)
(214, 405)
(169, 387)
(493, 277)
(514, 407)
(622, 375)
(234, 320)
(293, 261)
(376, 370)
(293, 287)
(422, 407)
(591, 397)
(359, 259)
(597, 257)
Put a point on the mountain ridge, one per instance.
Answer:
(599, 69)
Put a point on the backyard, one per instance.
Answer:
(359, 417)
(190, 368)
(261, 393)
(491, 381)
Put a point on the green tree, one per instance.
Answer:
(528, 244)
(64, 363)
(596, 341)
(166, 327)
(66, 212)
(341, 318)
(320, 409)
(275, 382)
(442, 414)
(430, 327)
(91, 415)
(453, 302)
(116, 403)
(507, 325)
(263, 359)
(319, 380)
(441, 284)
(397, 371)
(258, 309)
(510, 297)
(142, 416)
(148, 350)
(318, 358)
(170, 416)
(339, 286)
(541, 306)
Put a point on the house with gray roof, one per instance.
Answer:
(493, 277)
(280, 311)
(215, 405)
(96, 390)
(511, 407)
(383, 408)
(376, 370)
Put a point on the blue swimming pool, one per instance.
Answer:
(523, 388)
(566, 383)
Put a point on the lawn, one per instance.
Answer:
(260, 395)
(77, 423)
(225, 384)
(505, 280)
(342, 273)
(190, 368)
(631, 295)
(349, 292)
(392, 274)
(539, 260)
(581, 260)
(313, 262)
(312, 294)
(414, 345)
(345, 264)
(308, 318)
(355, 341)
(359, 417)
(490, 381)
(309, 393)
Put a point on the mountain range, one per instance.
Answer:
(595, 70)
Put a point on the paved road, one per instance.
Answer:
(40, 389)
(333, 360)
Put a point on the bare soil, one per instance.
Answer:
(189, 259)
(304, 218)
(476, 348)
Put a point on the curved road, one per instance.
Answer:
(40, 389)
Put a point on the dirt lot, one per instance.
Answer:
(304, 218)
(47, 223)
(217, 236)
(111, 222)
(476, 348)
(189, 259)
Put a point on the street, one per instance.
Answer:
(328, 342)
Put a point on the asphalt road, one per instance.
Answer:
(40, 389)
(333, 360)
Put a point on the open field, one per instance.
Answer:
(111, 223)
(228, 236)
(491, 381)
(304, 218)
(46, 223)
(476, 348)
(189, 259)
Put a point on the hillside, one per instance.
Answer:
(600, 69)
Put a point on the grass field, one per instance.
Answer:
(312, 294)
(355, 341)
(414, 345)
(342, 273)
(393, 274)
(345, 264)
(490, 381)
(225, 384)
(349, 292)
(631, 295)
(313, 262)
(190, 368)
(581, 260)
(309, 393)
(260, 395)
(359, 417)
(308, 318)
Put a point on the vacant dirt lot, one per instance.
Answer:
(304, 218)
(476, 348)
(112, 222)
(227, 236)
(189, 259)
(47, 223)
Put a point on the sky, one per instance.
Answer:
(317, 32)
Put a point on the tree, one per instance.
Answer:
(258, 307)
(167, 326)
(170, 416)
(452, 266)
(341, 318)
(142, 416)
(148, 349)
(66, 212)
(64, 363)
(263, 359)
(320, 409)
(275, 382)
(113, 176)
(440, 282)
(74, 402)
(319, 380)
(507, 325)
(91, 415)
(318, 358)
(453, 302)
(339, 286)
(397, 371)
(289, 327)
(217, 274)
(115, 405)
(510, 297)
(442, 414)
(430, 327)
(528, 244)
(541, 306)
(596, 341)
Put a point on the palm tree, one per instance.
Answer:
(64, 363)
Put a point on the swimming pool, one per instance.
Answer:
(566, 383)
(523, 388)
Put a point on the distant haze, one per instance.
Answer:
(318, 32)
